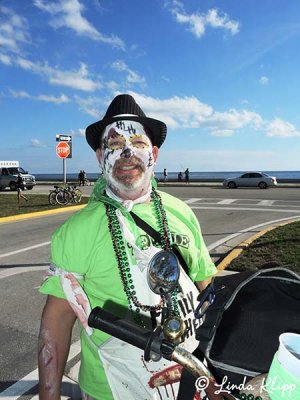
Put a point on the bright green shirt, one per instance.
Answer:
(83, 245)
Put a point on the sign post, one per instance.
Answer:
(65, 170)
(63, 150)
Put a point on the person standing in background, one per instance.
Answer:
(165, 175)
(84, 178)
(187, 175)
(80, 178)
(20, 187)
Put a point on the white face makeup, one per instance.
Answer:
(127, 155)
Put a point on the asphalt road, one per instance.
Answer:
(226, 217)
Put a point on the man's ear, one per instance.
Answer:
(155, 152)
(99, 155)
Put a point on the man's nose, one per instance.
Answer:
(126, 153)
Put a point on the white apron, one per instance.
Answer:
(130, 377)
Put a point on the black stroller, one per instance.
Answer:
(246, 314)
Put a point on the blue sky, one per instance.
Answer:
(223, 75)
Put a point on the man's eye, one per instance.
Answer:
(114, 144)
(139, 142)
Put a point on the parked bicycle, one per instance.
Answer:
(53, 194)
(64, 195)
(76, 195)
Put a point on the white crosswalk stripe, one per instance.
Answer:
(192, 200)
(226, 201)
(22, 386)
(244, 204)
(16, 390)
(266, 203)
(62, 396)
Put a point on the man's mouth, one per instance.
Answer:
(127, 167)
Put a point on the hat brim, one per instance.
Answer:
(157, 129)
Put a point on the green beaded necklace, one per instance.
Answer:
(123, 263)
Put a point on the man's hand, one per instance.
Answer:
(201, 285)
(53, 348)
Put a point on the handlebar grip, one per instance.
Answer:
(119, 328)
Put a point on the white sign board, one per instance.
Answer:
(63, 138)
(7, 164)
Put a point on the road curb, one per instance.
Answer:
(237, 250)
(19, 217)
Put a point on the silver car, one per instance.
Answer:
(251, 179)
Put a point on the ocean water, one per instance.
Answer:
(194, 176)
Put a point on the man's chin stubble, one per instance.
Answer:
(127, 183)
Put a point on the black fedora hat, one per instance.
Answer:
(123, 107)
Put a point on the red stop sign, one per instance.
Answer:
(63, 149)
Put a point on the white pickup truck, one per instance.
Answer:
(9, 171)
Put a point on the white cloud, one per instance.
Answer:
(79, 79)
(89, 105)
(21, 94)
(221, 20)
(37, 143)
(13, 31)
(5, 59)
(176, 112)
(281, 128)
(119, 65)
(80, 133)
(224, 132)
(73, 79)
(264, 80)
(41, 97)
(234, 119)
(112, 86)
(53, 99)
(198, 22)
(68, 13)
(189, 112)
(244, 101)
(132, 76)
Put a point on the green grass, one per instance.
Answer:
(36, 202)
(279, 247)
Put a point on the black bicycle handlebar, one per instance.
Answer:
(123, 329)
(148, 340)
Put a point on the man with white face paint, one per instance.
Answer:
(127, 158)
(100, 257)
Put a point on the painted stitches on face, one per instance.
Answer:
(150, 159)
(111, 142)
(114, 140)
